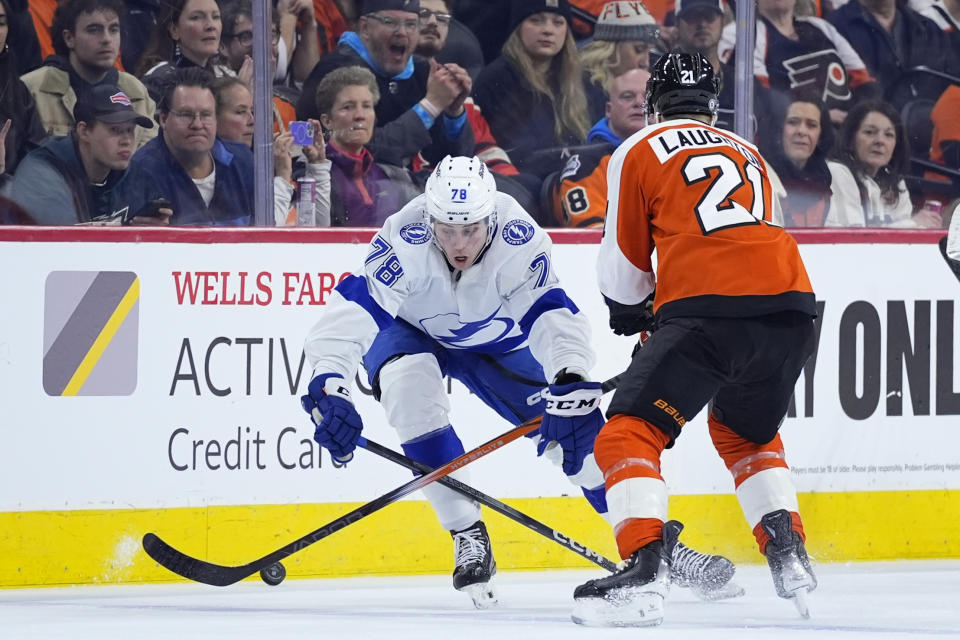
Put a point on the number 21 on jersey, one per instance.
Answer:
(716, 210)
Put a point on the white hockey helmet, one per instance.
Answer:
(460, 190)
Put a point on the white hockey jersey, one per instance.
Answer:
(508, 299)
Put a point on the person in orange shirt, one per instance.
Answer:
(733, 310)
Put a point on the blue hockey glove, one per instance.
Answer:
(630, 319)
(338, 425)
(573, 419)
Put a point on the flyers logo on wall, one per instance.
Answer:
(90, 328)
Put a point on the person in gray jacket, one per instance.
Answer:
(84, 178)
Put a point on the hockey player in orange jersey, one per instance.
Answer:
(733, 312)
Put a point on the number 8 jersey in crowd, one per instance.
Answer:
(701, 196)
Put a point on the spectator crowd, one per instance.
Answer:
(141, 111)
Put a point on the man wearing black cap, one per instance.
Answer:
(83, 177)
(421, 103)
(699, 26)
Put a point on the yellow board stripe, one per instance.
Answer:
(53, 548)
(103, 339)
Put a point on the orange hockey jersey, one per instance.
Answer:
(578, 194)
(701, 197)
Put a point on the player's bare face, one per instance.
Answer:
(875, 141)
(461, 243)
(351, 119)
(801, 132)
(543, 35)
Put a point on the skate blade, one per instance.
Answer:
(799, 600)
(726, 592)
(621, 608)
(483, 594)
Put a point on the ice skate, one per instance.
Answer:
(633, 595)
(709, 577)
(474, 566)
(792, 574)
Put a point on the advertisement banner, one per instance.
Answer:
(163, 374)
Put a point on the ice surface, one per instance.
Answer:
(860, 600)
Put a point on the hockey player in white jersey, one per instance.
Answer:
(460, 282)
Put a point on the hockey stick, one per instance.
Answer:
(222, 575)
(501, 508)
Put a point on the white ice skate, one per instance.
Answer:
(710, 577)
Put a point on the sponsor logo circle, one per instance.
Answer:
(415, 233)
(517, 232)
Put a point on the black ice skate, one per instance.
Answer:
(474, 565)
(709, 577)
(633, 595)
(792, 574)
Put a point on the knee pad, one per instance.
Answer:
(413, 395)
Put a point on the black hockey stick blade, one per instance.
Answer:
(221, 575)
(224, 575)
(953, 264)
(491, 502)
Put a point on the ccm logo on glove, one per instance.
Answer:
(577, 407)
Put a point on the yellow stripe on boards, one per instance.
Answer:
(106, 335)
(54, 548)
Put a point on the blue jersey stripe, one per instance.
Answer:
(555, 298)
(354, 288)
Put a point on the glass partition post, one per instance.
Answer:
(263, 108)
(746, 18)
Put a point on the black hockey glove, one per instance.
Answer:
(630, 319)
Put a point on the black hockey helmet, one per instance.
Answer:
(682, 83)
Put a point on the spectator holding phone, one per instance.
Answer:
(235, 124)
(208, 180)
(85, 177)
(290, 197)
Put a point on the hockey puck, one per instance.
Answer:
(274, 574)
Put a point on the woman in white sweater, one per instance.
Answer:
(870, 158)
